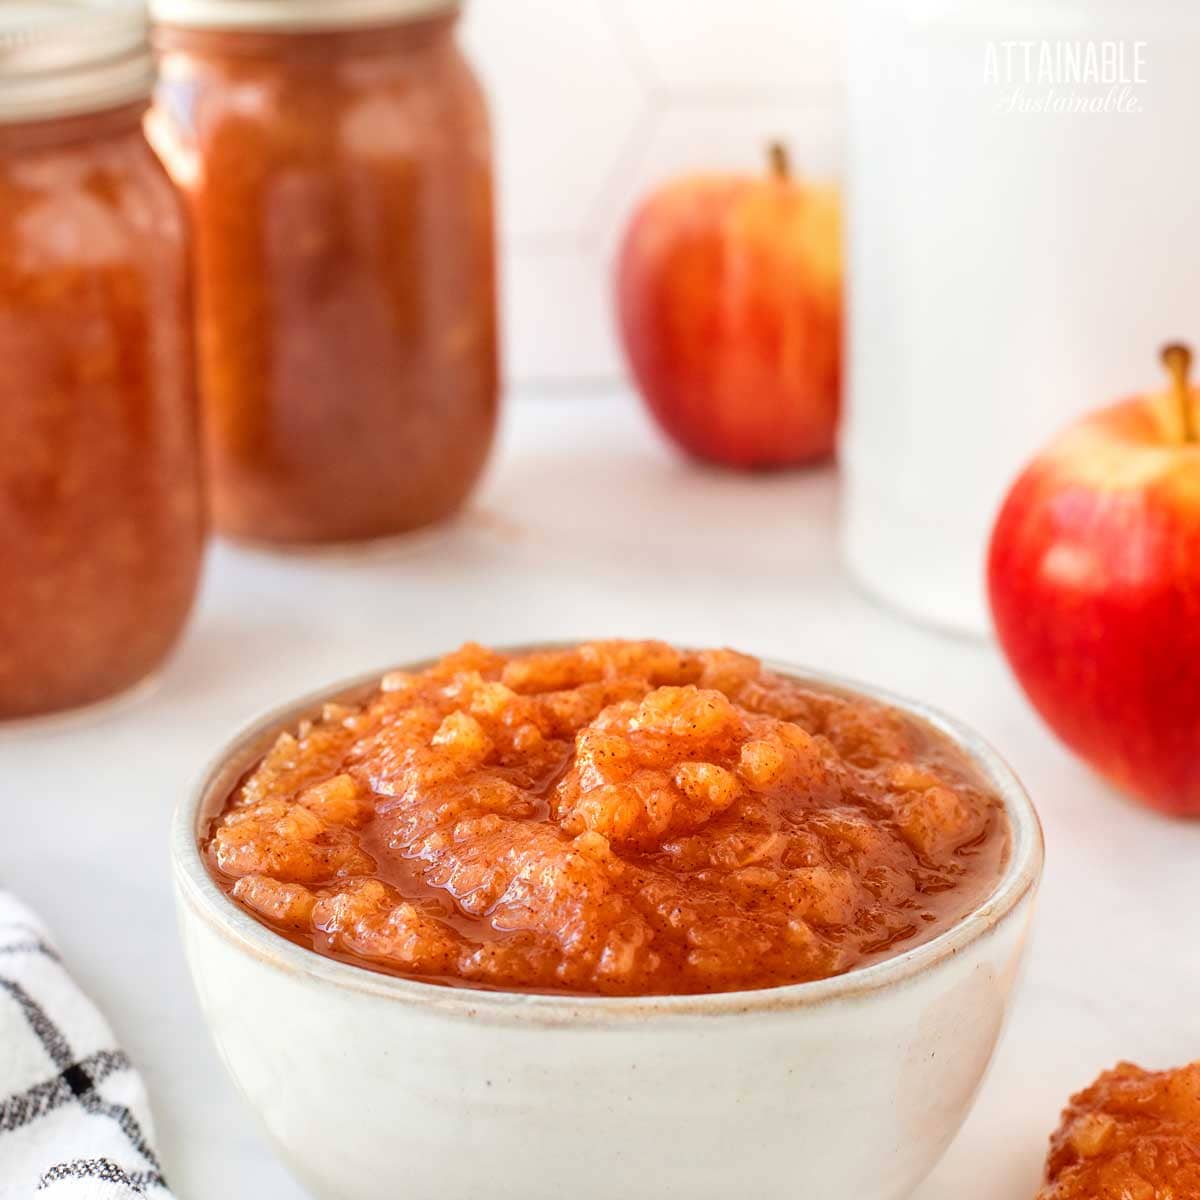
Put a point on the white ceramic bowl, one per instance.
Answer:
(376, 1088)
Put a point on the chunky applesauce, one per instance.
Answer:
(618, 817)
(1132, 1135)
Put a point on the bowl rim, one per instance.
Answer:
(196, 888)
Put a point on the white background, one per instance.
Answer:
(596, 101)
(587, 525)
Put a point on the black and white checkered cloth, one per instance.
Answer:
(74, 1122)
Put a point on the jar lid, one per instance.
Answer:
(61, 57)
(295, 16)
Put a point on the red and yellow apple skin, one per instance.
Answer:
(729, 302)
(1094, 581)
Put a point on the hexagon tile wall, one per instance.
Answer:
(595, 101)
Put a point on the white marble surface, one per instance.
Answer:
(630, 541)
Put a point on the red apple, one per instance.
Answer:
(729, 299)
(1094, 578)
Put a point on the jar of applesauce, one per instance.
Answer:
(336, 158)
(101, 513)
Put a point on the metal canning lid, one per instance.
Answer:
(63, 57)
(294, 16)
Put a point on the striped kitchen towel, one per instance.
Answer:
(74, 1122)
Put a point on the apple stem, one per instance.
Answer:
(1177, 358)
(781, 160)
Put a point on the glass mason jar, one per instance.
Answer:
(336, 158)
(101, 512)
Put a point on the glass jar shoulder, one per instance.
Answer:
(74, 200)
(227, 105)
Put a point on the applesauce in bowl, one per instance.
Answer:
(722, 924)
(615, 817)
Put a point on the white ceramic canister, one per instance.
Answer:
(1024, 233)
